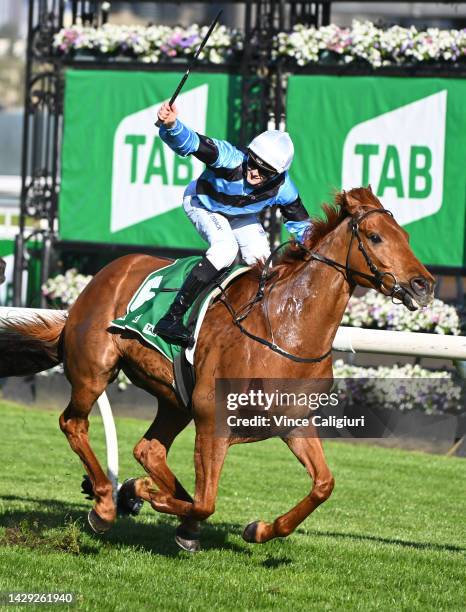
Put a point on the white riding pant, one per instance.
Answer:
(228, 235)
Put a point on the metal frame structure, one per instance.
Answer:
(262, 101)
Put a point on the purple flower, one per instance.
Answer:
(189, 41)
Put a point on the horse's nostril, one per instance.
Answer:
(420, 285)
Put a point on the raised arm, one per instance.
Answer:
(185, 141)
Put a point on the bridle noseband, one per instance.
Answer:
(377, 278)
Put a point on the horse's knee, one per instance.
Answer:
(140, 450)
(201, 512)
(148, 450)
(323, 489)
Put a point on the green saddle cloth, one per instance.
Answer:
(152, 300)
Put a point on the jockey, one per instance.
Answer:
(224, 202)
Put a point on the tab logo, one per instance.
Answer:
(148, 179)
(401, 154)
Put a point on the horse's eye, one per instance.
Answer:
(375, 238)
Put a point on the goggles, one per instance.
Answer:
(256, 163)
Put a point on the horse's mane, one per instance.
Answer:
(334, 214)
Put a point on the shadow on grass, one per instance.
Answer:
(156, 537)
(380, 540)
(274, 563)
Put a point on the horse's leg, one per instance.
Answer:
(310, 453)
(74, 423)
(151, 452)
(209, 455)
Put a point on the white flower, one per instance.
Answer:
(377, 311)
(416, 387)
(65, 288)
(364, 41)
(150, 44)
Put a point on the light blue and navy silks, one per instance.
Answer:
(222, 186)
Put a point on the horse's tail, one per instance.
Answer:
(30, 343)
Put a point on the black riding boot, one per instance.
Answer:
(171, 327)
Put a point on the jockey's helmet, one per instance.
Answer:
(274, 148)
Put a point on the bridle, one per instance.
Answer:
(377, 278)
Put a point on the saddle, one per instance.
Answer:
(152, 300)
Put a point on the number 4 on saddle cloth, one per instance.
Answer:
(152, 300)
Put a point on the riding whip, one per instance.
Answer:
(192, 63)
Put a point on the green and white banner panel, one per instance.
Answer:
(404, 136)
(120, 183)
(7, 253)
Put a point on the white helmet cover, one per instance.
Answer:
(275, 148)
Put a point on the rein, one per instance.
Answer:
(377, 278)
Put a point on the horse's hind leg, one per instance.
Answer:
(151, 452)
(74, 423)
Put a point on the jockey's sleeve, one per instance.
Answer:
(185, 141)
(296, 217)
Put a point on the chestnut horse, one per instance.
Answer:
(358, 243)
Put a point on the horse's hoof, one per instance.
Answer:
(128, 503)
(98, 524)
(250, 531)
(188, 540)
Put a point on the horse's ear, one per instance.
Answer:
(352, 203)
(369, 187)
(340, 199)
(359, 199)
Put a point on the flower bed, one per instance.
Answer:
(375, 311)
(150, 44)
(363, 41)
(62, 290)
(376, 46)
(432, 392)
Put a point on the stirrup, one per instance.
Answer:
(172, 329)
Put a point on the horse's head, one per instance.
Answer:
(2, 270)
(379, 255)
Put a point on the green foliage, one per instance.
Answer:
(392, 536)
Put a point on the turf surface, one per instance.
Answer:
(391, 537)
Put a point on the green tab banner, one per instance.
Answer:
(120, 183)
(7, 253)
(404, 136)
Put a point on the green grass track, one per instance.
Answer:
(391, 537)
